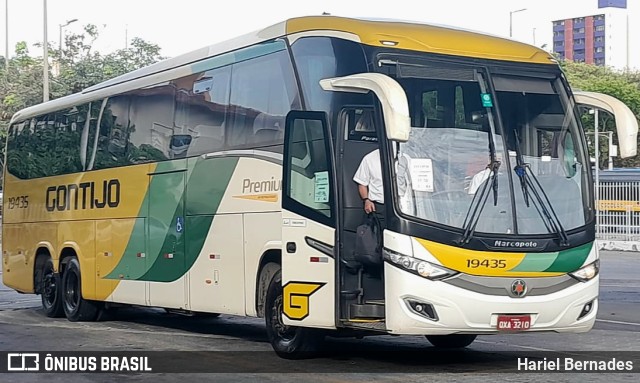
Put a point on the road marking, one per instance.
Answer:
(516, 345)
(617, 322)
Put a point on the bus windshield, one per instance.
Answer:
(503, 162)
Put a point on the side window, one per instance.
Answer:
(18, 155)
(202, 102)
(308, 177)
(263, 91)
(150, 123)
(317, 58)
(66, 151)
(113, 134)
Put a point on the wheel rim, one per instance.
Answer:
(71, 291)
(50, 287)
(284, 332)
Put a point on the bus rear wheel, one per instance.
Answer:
(451, 341)
(50, 292)
(75, 307)
(288, 342)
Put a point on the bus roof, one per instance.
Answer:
(399, 34)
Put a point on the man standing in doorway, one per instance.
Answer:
(370, 187)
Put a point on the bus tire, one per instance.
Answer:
(50, 290)
(451, 341)
(288, 342)
(76, 308)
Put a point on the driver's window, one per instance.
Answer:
(308, 176)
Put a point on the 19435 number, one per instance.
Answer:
(20, 202)
(487, 263)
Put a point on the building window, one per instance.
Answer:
(578, 42)
(558, 33)
(598, 17)
(578, 20)
(600, 28)
(599, 49)
(600, 39)
(578, 30)
(558, 43)
(558, 23)
(599, 61)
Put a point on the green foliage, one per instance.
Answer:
(74, 67)
(624, 86)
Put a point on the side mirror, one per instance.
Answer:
(395, 107)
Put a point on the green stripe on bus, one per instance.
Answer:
(571, 259)
(207, 184)
(536, 262)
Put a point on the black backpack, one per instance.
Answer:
(369, 242)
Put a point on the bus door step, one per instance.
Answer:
(367, 310)
(367, 324)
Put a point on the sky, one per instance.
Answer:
(185, 25)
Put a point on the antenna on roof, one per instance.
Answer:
(326, 14)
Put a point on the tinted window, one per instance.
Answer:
(202, 101)
(263, 92)
(150, 123)
(308, 178)
(315, 59)
(46, 145)
(113, 134)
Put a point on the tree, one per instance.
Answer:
(77, 67)
(624, 86)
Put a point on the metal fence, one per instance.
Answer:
(619, 211)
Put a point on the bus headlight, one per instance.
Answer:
(587, 272)
(417, 266)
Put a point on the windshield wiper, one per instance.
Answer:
(476, 208)
(550, 218)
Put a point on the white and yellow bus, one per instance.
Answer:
(220, 181)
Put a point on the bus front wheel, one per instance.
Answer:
(50, 291)
(75, 307)
(288, 341)
(451, 341)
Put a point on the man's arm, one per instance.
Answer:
(369, 206)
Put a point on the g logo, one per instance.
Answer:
(296, 298)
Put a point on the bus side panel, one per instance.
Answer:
(262, 233)
(80, 236)
(19, 252)
(215, 282)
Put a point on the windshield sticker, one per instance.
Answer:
(487, 101)
(321, 189)
(422, 174)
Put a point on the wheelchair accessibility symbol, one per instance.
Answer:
(179, 224)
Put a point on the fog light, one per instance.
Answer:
(586, 309)
(423, 309)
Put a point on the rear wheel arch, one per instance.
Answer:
(270, 263)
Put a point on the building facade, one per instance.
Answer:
(600, 39)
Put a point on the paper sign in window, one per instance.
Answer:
(321, 187)
(421, 170)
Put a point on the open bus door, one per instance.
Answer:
(308, 222)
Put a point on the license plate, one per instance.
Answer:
(514, 322)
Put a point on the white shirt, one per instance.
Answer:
(369, 174)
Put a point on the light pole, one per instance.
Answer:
(60, 42)
(6, 36)
(45, 59)
(511, 20)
